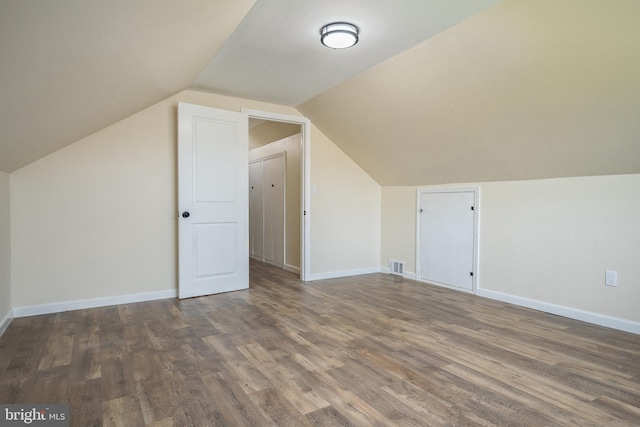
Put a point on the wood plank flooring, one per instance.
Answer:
(362, 351)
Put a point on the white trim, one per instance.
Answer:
(410, 275)
(560, 310)
(269, 157)
(344, 273)
(58, 307)
(407, 274)
(292, 269)
(305, 224)
(445, 285)
(475, 189)
(4, 324)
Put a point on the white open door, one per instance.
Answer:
(213, 243)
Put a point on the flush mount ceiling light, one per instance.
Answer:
(339, 35)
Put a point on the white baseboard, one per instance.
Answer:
(58, 307)
(572, 313)
(292, 268)
(560, 310)
(344, 273)
(407, 274)
(4, 323)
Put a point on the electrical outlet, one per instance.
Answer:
(610, 278)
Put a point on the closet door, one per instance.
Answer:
(274, 203)
(446, 238)
(256, 229)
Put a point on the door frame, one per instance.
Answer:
(305, 171)
(476, 232)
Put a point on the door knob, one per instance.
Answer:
(185, 214)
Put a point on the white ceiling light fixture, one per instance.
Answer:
(339, 35)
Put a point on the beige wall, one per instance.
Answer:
(551, 240)
(269, 131)
(345, 212)
(545, 240)
(5, 249)
(292, 145)
(97, 219)
(398, 231)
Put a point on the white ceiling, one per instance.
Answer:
(275, 54)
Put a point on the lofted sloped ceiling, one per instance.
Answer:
(436, 91)
(72, 67)
(526, 89)
(69, 68)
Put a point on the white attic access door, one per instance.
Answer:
(447, 240)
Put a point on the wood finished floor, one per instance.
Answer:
(362, 351)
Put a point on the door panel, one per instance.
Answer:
(214, 161)
(447, 230)
(215, 249)
(212, 188)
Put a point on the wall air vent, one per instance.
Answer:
(396, 267)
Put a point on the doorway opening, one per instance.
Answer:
(279, 220)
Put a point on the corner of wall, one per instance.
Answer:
(6, 310)
(345, 211)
